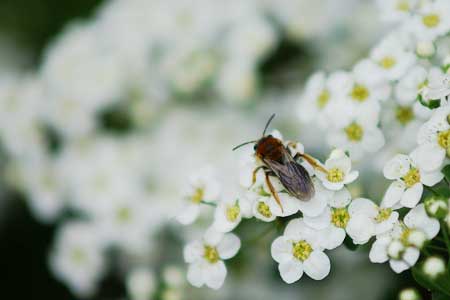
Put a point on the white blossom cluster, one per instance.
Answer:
(399, 96)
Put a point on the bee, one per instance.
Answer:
(278, 161)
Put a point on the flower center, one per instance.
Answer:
(198, 194)
(431, 20)
(383, 214)
(335, 175)
(301, 250)
(387, 62)
(211, 254)
(323, 98)
(405, 236)
(403, 5)
(443, 139)
(404, 114)
(233, 212)
(423, 84)
(359, 93)
(264, 210)
(78, 255)
(123, 214)
(354, 132)
(412, 177)
(340, 217)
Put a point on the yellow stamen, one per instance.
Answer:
(340, 217)
(404, 114)
(233, 212)
(383, 214)
(412, 177)
(323, 99)
(264, 209)
(301, 250)
(197, 197)
(387, 62)
(354, 132)
(431, 20)
(211, 254)
(335, 175)
(359, 93)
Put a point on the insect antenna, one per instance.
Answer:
(267, 124)
(243, 144)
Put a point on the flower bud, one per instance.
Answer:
(436, 207)
(141, 284)
(409, 294)
(417, 238)
(425, 49)
(433, 267)
(173, 276)
(395, 250)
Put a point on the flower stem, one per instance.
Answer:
(208, 203)
(445, 234)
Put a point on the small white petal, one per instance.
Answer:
(430, 157)
(360, 228)
(212, 237)
(411, 256)
(331, 237)
(322, 221)
(363, 206)
(193, 251)
(195, 274)
(215, 275)
(393, 194)
(317, 265)
(188, 214)
(418, 218)
(340, 198)
(412, 195)
(378, 252)
(291, 270)
(281, 249)
(397, 167)
(228, 246)
(431, 178)
(398, 265)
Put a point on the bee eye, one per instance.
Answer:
(254, 147)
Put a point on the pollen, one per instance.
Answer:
(198, 194)
(405, 236)
(404, 114)
(431, 20)
(78, 255)
(354, 132)
(403, 5)
(123, 214)
(383, 215)
(359, 93)
(211, 254)
(233, 212)
(335, 175)
(387, 62)
(264, 209)
(443, 138)
(412, 177)
(340, 217)
(301, 250)
(323, 98)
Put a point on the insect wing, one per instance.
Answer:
(294, 178)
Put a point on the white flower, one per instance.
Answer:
(339, 170)
(409, 179)
(434, 266)
(398, 246)
(300, 250)
(433, 139)
(367, 220)
(438, 86)
(410, 85)
(205, 258)
(392, 57)
(141, 284)
(77, 257)
(203, 187)
(432, 20)
(396, 10)
(333, 221)
(229, 213)
(319, 99)
(409, 294)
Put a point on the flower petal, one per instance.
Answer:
(215, 275)
(228, 246)
(281, 249)
(188, 214)
(393, 194)
(317, 266)
(412, 195)
(193, 251)
(378, 252)
(195, 274)
(291, 270)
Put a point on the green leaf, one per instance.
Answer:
(348, 243)
(446, 172)
(439, 296)
(439, 285)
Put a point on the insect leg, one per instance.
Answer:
(312, 161)
(273, 192)
(256, 171)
